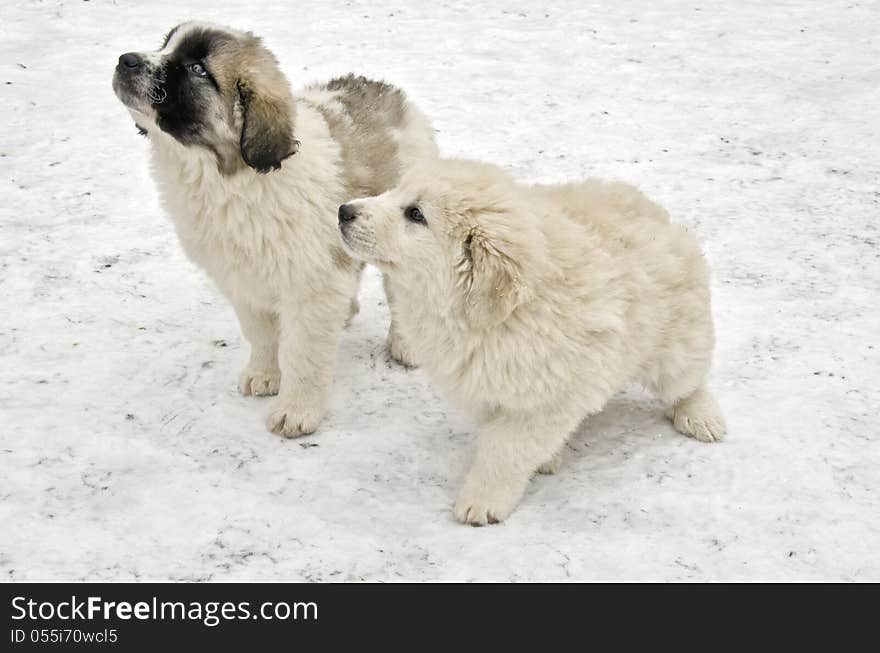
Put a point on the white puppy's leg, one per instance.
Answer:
(354, 309)
(551, 466)
(397, 347)
(698, 415)
(310, 332)
(509, 450)
(261, 376)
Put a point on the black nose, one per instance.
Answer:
(347, 213)
(130, 60)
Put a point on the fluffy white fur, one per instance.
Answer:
(269, 241)
(532, 306)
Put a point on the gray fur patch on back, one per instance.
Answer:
(362, 116)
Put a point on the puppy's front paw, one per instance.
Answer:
(259, 383)
(551, 466)
(291, 420)
(399, 351)
(489, 506)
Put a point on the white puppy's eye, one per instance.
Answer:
(198, 69)
(413, 214)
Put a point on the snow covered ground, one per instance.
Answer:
(127, 453)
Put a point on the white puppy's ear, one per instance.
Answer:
(267, 127)
(492, 277)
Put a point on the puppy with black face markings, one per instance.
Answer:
(252, 175)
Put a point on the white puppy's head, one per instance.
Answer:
(457, 232)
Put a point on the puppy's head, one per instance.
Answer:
(215, 88)
(458, 232)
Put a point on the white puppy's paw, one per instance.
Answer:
(551, 466)
(290, 420)
(259, 383)
(698, 416)
(399, 351)
(704, 429)
(489, 506)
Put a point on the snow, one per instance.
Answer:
(127, 453)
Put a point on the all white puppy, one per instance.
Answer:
(252, 176)
(532, 305)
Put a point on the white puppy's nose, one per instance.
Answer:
(347, 213)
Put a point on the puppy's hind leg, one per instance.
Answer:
(397, 346)
(353, 309)
(679, 380)
(355, 305)
(698, 415)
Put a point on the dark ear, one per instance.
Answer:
(267, 128)
(492, 278)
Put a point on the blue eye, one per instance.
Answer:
(413, 214)
(198, 69)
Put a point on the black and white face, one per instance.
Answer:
(172, 88)
(215, 88)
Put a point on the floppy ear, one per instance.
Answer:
(492, 278)
(267, 128)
